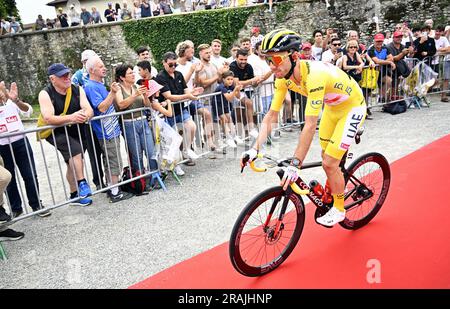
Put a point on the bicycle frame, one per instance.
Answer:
(311, 196)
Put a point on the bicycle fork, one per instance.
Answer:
(279, 223)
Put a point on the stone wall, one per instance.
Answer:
(25, 57)
(307, 16)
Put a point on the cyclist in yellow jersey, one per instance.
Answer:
(343, 113)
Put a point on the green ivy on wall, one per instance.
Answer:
(282, 10)
(162, 34)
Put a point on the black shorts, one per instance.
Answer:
(77, 144)
(220, 107)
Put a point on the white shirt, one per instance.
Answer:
(74, 16)
(184, 69)
(261, 68)
(218, 61)
(252, 60)
(441, 43)
(328, 56)
(317, 52)
(10, 121)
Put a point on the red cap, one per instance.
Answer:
(306, 45)
(378, 37)
(398, 34)
(255, 29)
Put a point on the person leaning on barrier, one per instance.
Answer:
(399, 52)
(176, 90)
(137, 131)
(80, 78)
(16, 150)
(383, 57)
(245, 76)
(6, 234)
(107, 130)
(65, 104)
(443, 49)
(424, 45)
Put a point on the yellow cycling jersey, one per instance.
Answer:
(322, 83)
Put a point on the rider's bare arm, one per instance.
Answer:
(270, 119)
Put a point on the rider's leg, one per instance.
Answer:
(335, 180)
(343, 126)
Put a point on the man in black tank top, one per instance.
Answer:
(71, 145)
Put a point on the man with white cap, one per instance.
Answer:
(82, 75)
(74, 16)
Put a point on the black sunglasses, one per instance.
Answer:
(173, 65)
(334, 44)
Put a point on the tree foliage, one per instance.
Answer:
(8, 8)
(162, 34)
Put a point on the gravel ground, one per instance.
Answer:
(117, 245)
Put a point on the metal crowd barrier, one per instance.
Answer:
(391, 87)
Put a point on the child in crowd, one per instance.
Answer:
(221, 107)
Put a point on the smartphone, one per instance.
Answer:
(407, 44)
(340, 50)
(146, 83)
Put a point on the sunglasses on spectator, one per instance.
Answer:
(276, 59)
(353, 47)
(172, 65)
(336, 44)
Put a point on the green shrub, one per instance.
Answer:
(162, 34)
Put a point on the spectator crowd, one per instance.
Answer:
(198, 93)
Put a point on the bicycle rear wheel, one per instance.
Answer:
(255, 247)
(367, 184)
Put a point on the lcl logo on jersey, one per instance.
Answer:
(316, 103)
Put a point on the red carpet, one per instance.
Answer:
(409, 237)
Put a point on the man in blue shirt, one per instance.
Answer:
(106, 129)
(381, 55)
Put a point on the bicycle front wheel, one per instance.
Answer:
(367, 184)
(260, 242)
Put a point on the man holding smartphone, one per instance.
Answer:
(334, 53)
(424, 46)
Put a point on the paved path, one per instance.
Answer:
(117, 245)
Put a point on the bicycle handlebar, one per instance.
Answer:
(293, 185)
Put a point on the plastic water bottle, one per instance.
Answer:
(316, 188)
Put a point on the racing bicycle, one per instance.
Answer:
(269, 227)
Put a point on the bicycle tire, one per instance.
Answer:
(363, 161)
(239, 261)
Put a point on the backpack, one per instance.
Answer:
(137, 186)
(395, 108)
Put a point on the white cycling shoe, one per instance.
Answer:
(332, 217)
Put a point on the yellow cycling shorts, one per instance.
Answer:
(338, 127)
